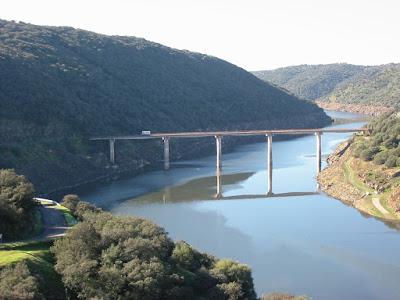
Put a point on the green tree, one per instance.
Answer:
(16, 205)
(17, 282)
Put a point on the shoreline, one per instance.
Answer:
(370, 110)
(341, 181)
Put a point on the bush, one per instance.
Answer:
(70, 201)
(17, 282)
(229, 271)
(368, 154)
(391, 161)
(185, 256)
(358, 149)
(381, 157)
(83, 208)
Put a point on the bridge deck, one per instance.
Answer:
(197, 134)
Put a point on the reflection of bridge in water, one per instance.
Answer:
(218, 139)
(219, 192)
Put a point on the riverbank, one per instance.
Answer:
(347, 179)
(354, 108)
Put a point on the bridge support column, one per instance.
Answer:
(318, 155)
(218, 183)
(270, 166)
(166, 153)
(218, 142)
(112, 151)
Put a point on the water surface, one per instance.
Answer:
(305, 244)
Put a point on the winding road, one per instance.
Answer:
(54, 224)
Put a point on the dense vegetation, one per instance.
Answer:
(310, 81)
(27, 272)
(365, 171)
(17, 212)
(378, 85)
(17, 282)
(341, 83)
(381, 152)
(110, 257)
(382, 145)
(59, 86)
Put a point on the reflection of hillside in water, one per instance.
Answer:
(196, 189)
(208, 188)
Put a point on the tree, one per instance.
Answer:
(111, 257)
(16, 204)
(17, 282)
(71, 201)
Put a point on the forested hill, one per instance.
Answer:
(310, 81)
(60, 85)
(377, 86)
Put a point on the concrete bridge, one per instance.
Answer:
(318, 132)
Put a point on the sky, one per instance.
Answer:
(253, 34)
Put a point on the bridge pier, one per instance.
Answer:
(218, 178)
(318, 155)
(166, 153)
(112, 151)
(269, 159)
(218, 142)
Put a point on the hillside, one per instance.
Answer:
(59, 86)
(378, 85)
(364, 172)
(363, 89)
(310, 81)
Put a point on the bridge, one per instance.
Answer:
(318, 132)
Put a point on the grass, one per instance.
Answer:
(69, 218)
(14, 252)
(40, 261)
(350, 173)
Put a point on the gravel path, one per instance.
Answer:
(54, 224)
(378, 205)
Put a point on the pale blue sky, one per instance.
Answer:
(253, 34)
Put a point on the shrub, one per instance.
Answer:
(83, 208)
(185, 256)
(229, 271)
(368, 154)
(381, 157)
(358, 149)
(391, 161)
(71, 201)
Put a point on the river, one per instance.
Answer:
(307, 244)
